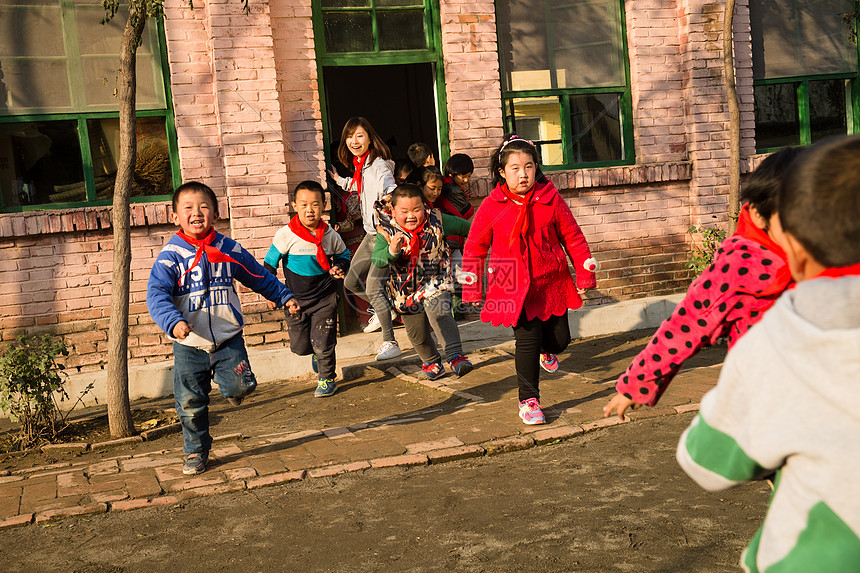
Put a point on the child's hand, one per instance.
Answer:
(292, 307)
(398, 241)
(581, 291)
(271, 305)
(337, 272)
(182, 330)
(619, 402)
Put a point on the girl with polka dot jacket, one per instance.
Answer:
(748, 274)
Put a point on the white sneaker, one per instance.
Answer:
(388, 350)
(373, 324)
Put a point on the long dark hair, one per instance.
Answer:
(377, 146)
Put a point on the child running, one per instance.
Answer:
(191, 297)
(361, 147)
(748, 275)
(784, 398)
(412, 243)
(313, 255)
(527, 226)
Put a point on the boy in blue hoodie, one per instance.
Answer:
(191, 297)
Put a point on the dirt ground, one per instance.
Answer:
(611, 500)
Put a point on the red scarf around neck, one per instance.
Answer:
(748, 229)
(358, 163)
(414, 238)
(303, 232)
(836, 272)
(521, 226)
(212, 253)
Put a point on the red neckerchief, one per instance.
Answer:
(212, 254)
(521, 226)
(358, 163)
(303, 232)
(836, 272)
(415, 244)
(749, 230)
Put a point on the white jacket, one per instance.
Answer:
(787, 400)
(377, 179)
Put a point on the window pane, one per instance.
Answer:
(152, 171)
(587, 44)
(776, 116)
(33, 67)
(345, 3)
(99, 46)
(546, 44)
(348, 32)
(827, 110)
(595, 128)
(390, 3)
(40, 162)
(539, 120)
(401, 30)
(799, 37)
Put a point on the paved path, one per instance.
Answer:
(466, 417)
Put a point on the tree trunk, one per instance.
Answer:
(119, 411)
(734, 117)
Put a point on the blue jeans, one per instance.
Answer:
(193, 371)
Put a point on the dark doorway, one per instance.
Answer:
(398, 100)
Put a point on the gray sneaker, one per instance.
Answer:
(195, 464)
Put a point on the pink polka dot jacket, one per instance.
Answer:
(748, 275)
(531, 275)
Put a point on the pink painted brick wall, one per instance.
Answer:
(471, 61)
(249, 124)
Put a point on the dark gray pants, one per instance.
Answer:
(437, 313)
(314, 331)
(369, 282)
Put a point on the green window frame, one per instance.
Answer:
(381, 54)
(805, 72)
(82, 124)
(574, 120)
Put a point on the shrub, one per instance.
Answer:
(703, 251)
(29, 379)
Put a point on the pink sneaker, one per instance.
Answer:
(531, 413)
(548, 362)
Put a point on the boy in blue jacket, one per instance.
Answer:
(190, 296)
(313, 256)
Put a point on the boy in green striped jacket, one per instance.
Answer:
(784, 398)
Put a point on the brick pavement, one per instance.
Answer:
(475, 416)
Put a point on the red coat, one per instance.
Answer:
(533, 276)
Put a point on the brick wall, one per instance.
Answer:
(471, 61)
(248, 122)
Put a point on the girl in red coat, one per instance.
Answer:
(527, 227)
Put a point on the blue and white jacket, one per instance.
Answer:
(205, 297)
(303, 275)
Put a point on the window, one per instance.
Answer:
(805, 71)
(374, 25)
(59, 122)
(565, 79)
